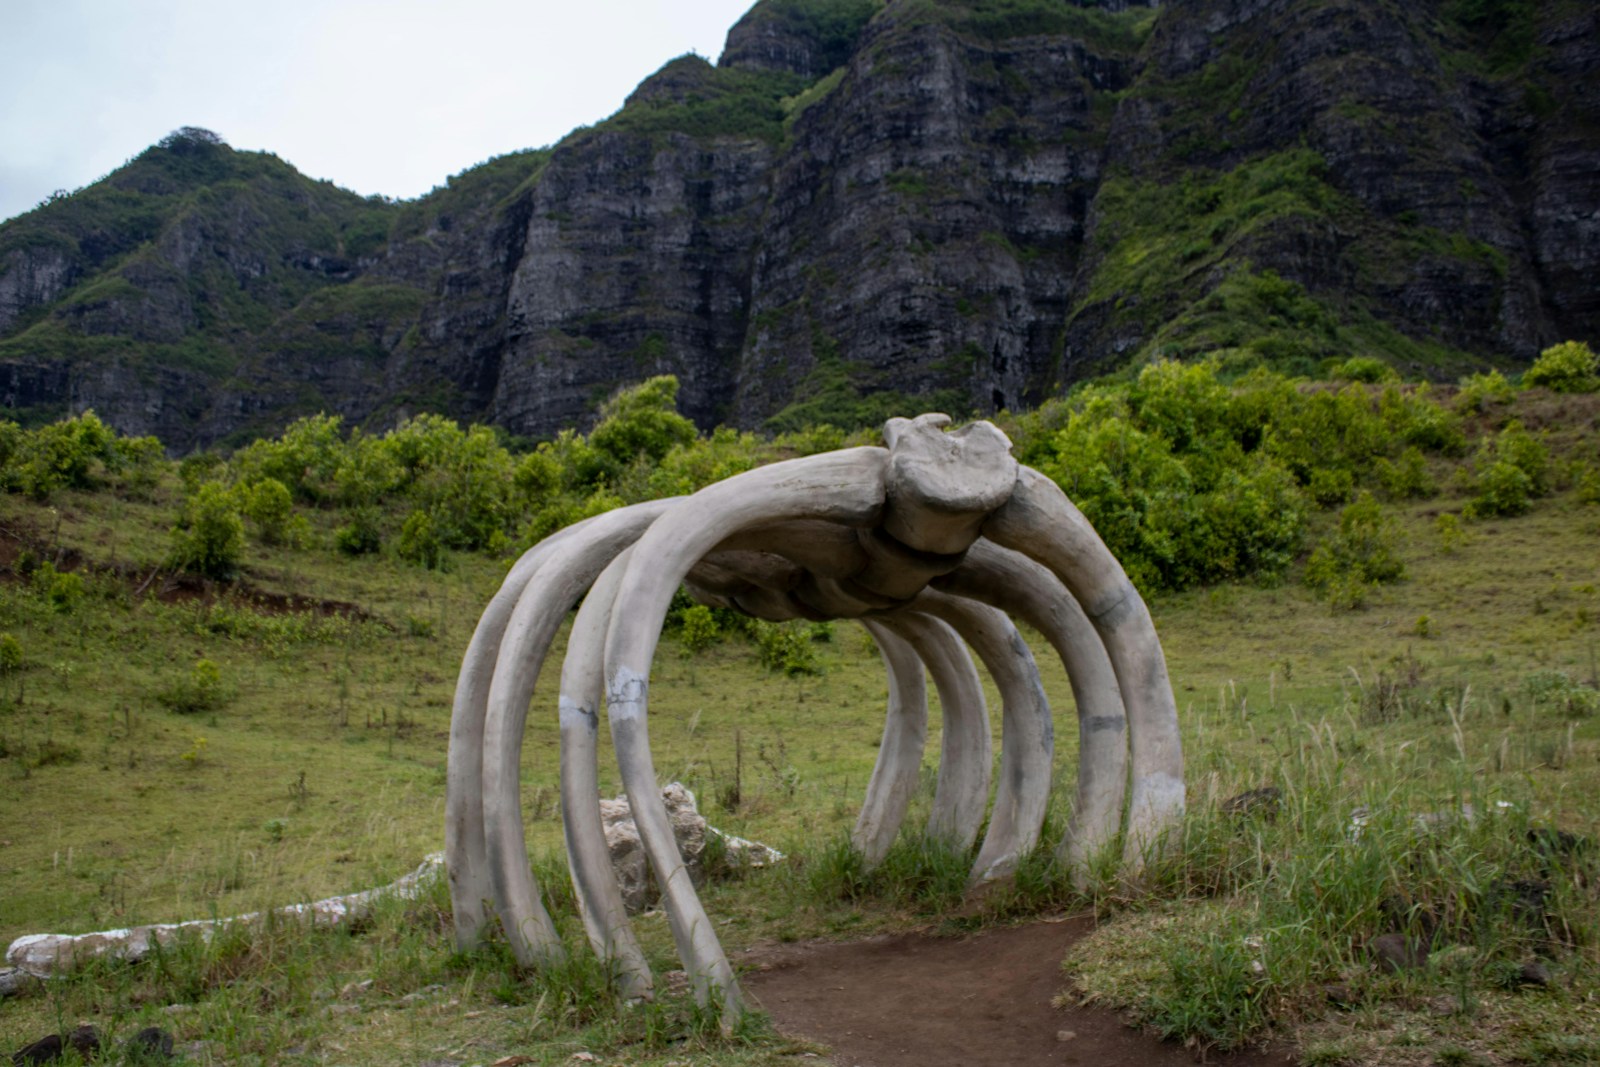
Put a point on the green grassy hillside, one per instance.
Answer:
(180, 746)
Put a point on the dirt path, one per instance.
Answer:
(984, 1000)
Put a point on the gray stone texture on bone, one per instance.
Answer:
(1040, 522)
(943, 485)
(1021, 587)
(961, 792)
(590, 860)
(905, 735)
(934, 543)
(1027, 733)
(52, 955)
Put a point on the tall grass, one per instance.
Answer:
(1256, 919)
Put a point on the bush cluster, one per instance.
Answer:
(1360, 554)
(74, 453)
(1190, 474)
(1191, 479)
(1509, 471)
(1569, 367)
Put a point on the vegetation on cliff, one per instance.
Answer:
(979, 204)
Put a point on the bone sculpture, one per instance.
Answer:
(934, 543)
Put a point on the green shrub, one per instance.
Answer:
(62, 455)
(365, 472)
(1501, 488)
(1527, 453)
(10, 654)
(1331, 486)
(63, 591)
(1361, 553)
(1417, 420)
(201, 689)
(1588, 484)
(698, 628)
(566, 509)
(1479, 391)
(810, 440)
(689, 467)
(419, 541)
(305, 458)
(270, 508)
(464, 480)
(1557, 689)
(784, 647)
(642, 420)
(1175, 475)
(1569, 367)
(209, 537)
(12, 438)
(1451, 535)
(360, 536)
(538, 474)
(1407, 477)
(1321, 430)
(1511, 469)
(138, 461)
(199, 467)
(1365, 369)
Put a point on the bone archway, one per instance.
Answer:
(933, 542)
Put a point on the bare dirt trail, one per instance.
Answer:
(978, 1001)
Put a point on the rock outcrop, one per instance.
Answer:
(866, 206)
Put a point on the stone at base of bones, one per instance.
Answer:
(690, 831)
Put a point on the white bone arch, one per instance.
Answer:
(934, 542)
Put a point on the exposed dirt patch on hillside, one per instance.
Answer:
(980, 1001)
(20, 538)
(186, 588)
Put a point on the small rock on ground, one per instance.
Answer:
(1396, 952)
(84, 1039)
(1534, 973)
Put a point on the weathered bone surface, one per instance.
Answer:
(54, 955)
(934, 543)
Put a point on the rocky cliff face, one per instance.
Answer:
(864, 207)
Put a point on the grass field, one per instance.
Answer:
(308, 759)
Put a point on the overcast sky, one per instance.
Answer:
(379, 96)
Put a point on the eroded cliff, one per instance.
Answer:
(863, 206)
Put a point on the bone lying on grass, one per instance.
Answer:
(37, 957)
(52, 955)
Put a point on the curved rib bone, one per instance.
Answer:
(965, 750)
(565, 573)
(1041, 523)
(844, 487)
(466, 856)
(905, 736)
(1027, 590)
(605, 917)
(1027, 737)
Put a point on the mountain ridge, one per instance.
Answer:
(864, 207)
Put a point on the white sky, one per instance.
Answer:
(379, 96)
